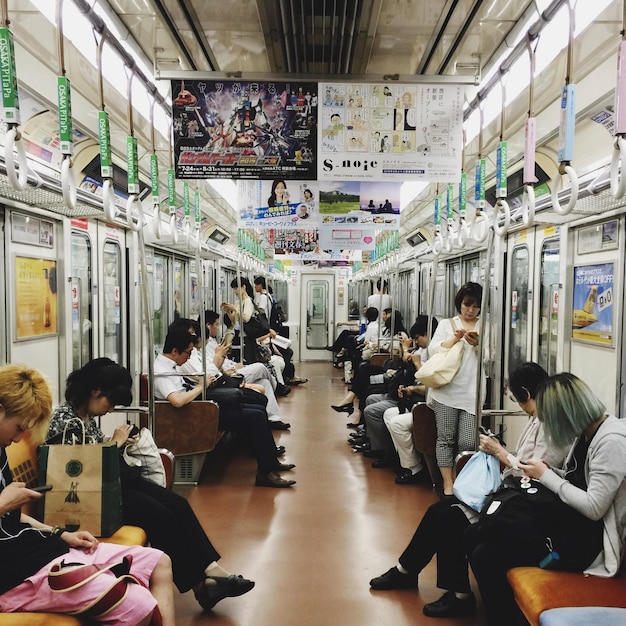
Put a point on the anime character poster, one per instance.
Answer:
(393, 132)
(245, 129)
(592, 310)
(277, 204)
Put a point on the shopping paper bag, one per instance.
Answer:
(86, 491)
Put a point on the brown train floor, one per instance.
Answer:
(311, 549)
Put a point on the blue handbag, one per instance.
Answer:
(479, 478)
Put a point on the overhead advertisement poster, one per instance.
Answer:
(390, 132)
(278, 204)
(245, 129)
(352, 212)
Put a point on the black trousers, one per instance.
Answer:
(171, 526)
(440, 532)
(252, 419)
(490, 559)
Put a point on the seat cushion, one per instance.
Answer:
(583, 616)
(127, 536)
(38, 619)
(537, 590)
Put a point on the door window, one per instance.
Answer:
(82, 324)
(112, 301)
(518, 308)
(549, 305)
(317, 315)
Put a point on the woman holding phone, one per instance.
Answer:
(454, 404)
(169, 521)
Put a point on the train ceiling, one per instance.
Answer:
(324, 38)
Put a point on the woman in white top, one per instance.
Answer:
(454, 404)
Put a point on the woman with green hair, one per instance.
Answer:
(592, 483)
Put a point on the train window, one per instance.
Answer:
(82, 321)
(160, 320)
(317, 314)
(194, 289)
(112, 259)
(549, 305)
(179, 292)
(280, 295)
(519, 324)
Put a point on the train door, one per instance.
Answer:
(531, 331)
(82, 297)
(111, 288)
(317, 305)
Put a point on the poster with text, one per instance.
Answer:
(592, 313)
(287, 242)
(35, 297)
(277, 204)
(245, 129)
(390, 132)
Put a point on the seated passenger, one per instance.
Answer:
(388, 417)
(592, 482)
(252, 418)
(29, 548)
(441, 530)
(167, 518)
(254, 376)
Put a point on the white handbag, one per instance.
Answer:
(441, 368)
(145, 454)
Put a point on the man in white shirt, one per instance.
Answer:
(261, 298)
(380, 300)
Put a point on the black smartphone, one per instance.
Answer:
(41, 489)
(133, 431)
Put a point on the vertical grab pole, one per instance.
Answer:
(484, 305)
(461, 238)
(618, 158)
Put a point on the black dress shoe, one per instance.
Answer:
(451, 606)
(362, 447)
(282, 390)
(280, 450)
(394, 579)
(384, 461)
(278, 425)
(272, 480)
(217, 588)
(283, 467)
(353, 441)
(374, 454)
(408, 478)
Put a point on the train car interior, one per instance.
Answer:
(157, 152)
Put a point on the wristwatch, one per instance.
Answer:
(57, 531)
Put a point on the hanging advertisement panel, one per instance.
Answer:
(245, 129)
(294, 242)
(277, 203)
(390, 132)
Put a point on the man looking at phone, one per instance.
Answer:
(257, 373)
(249, 418)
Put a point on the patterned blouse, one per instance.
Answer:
(66, 414)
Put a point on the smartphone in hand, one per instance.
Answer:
(41, 489)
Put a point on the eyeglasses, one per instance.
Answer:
(188, 352)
